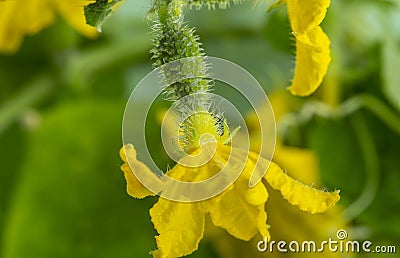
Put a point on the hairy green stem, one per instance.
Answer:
(174, 40)
(211, 4)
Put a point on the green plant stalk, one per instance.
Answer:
(370, 155)
(374, 105)
(316, 108)
(173, 41)
(31, 94)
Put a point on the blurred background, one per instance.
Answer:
(62, 99)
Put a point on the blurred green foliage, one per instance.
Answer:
(62, 99)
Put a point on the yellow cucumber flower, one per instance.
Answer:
(27, 17)
(312, 44)
(239, 210)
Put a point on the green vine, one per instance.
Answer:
(211, 4)
(371, 162)
(174, 40)
(348, 107)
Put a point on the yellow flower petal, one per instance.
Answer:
(305, 15)
(312, 45)
(305, 197)
(232, 212)
(300, 163)
(256, 195)
(312, 60)
(180, 227)
(241, 210)
(72, 12)
(134, 187)
(19, 18)
(195, 173)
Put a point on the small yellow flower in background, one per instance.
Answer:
(27, 17)
(239, 210)
(312, 44)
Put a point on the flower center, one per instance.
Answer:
(202, 128)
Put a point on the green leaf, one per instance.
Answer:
(96, 13)
(390, 71)
(340, 161)
(71, 199)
